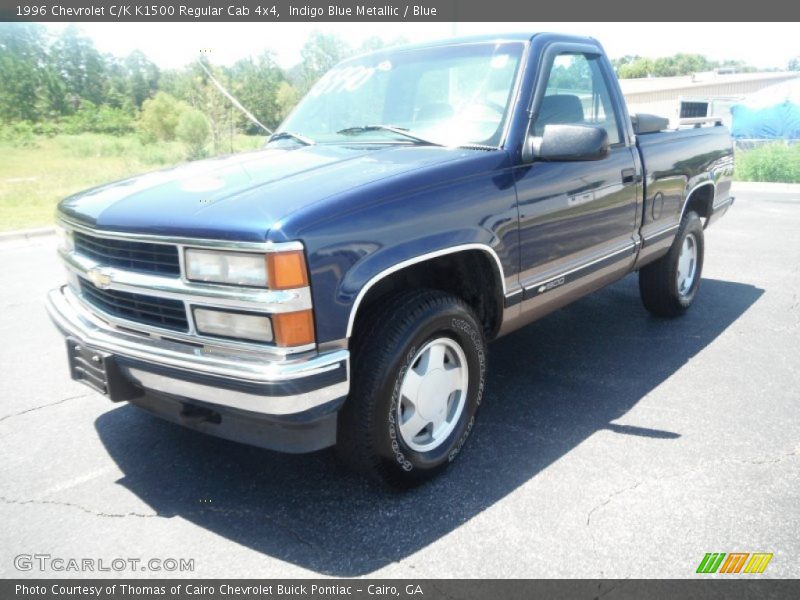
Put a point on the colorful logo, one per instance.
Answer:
(713, 562)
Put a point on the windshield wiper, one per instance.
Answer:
(288, 135)
(398, 130)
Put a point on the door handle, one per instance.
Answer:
(628, 175)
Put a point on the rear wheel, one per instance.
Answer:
(419, 365)
(669, 285)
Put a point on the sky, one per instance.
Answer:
(171, 45)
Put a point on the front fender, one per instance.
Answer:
(355, 240)
(375, 267)
(343, 271)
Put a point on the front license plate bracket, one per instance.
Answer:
(100, 371)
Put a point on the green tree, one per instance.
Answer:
(320, 52)
(82, 68)
(218, 109)
(794, 64)
(27, 82)
(682, 64)
(621, 61)
(631, 67)
(117, 89)
(179, 83)
(160, 116)
(193, 86)
(131, 80)
(286, 99)
(255, 83)
(141, 77)
(574, 76)
(193, 130)
(637, 68)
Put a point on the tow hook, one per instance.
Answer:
(195, 415)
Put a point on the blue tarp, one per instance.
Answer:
(781, 121)
(772, 113)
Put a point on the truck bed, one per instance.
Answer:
(676, 162)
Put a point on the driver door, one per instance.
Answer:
(577, 218)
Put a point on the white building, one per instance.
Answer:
(699, 95)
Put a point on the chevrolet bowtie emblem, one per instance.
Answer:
(100, 278)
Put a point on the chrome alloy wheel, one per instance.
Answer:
(687, 265)
(432, 394)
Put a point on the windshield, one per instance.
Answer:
(451, 95)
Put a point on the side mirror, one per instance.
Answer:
(567, 143)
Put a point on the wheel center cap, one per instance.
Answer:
(433, 394)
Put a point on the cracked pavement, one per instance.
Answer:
(610, 444)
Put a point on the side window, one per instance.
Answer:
(577, 93)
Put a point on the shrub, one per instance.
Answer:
(160, 115)
(776, 161)
(246, 143)
(193, 130)
(286, 98)
(115, 121)
(98, 119)
(19, 133)
(48, 128)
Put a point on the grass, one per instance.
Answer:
(35, 176)
(777, 162)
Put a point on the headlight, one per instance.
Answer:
(236, 268)
(276, 270)
(65, 240)
(233, 325)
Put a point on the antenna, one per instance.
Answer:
(233, 100)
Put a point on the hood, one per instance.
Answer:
(241, 197)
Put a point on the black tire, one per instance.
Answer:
(387, 341)
(658, 281)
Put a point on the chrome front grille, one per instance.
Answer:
(142, 257)
(150, 310)
(135, 282)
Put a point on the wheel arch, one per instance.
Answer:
(700, 198)
(432, 262)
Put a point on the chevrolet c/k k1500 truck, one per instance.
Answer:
(339, 286)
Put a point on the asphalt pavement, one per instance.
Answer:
(610, 444)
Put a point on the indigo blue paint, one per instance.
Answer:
(362, 208)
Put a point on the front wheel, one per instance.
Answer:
(419, 367)
(669, 285)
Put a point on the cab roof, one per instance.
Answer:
(477, 39)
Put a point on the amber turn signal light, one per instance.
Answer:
(287, 270)
(293, 328)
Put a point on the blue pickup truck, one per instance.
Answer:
(339, 286)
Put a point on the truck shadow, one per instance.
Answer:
(551, 386)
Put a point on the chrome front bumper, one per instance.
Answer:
(292, 388)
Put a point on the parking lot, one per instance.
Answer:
(610, 444)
